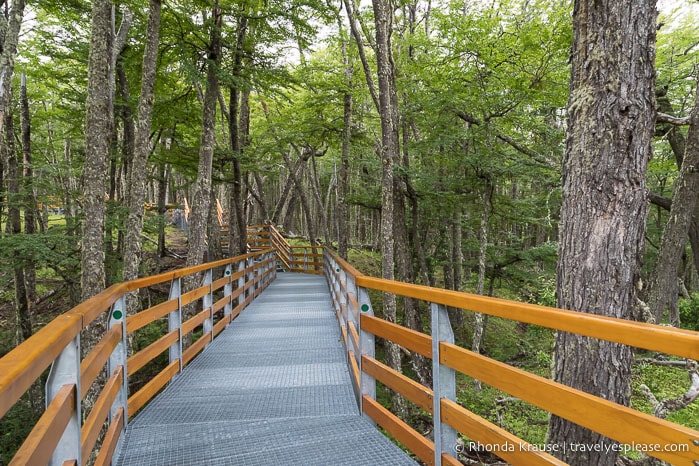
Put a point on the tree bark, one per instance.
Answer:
(611, 116)
(30, 204)
(133, 247)
(98, 107)
(197, 229)
(162, 208)
(237, 222)
(389, 155)
(663, 285)
(343, 178)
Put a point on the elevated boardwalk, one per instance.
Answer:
(273, 388)
(269, 376)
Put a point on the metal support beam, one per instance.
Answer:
(118, 358)
(174, 321)
(367, 342)
(65, 370)
(228, 291)
(207, 302)
(443, 383)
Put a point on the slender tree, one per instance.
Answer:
(202, 194)
(137, 183)
(663, 286)
(388, 152)
(98, 107)
(611, 116)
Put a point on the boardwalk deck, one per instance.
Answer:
(273, 388)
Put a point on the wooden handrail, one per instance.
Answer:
(618, 422)
(671, 340)
(22, 366)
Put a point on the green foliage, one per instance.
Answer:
(15, 426)
(689, 312)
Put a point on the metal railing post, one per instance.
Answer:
(118, 358)
(174, 322)
(367, 343)
(228, 291)
(65, 370)
(443, 383)
(208, 303)
(250, 275)
(271, 266)
(241, 280)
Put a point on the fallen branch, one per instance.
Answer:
(661, 409)
(660, 362)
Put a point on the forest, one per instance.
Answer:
(498, 147)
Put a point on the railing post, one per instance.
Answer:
(118, 358)
(174, 322)
(241, 280)
(228, 291)
(65, 370)
(367, 343)
(343, 303)
(208, 303)
(271, 266)
(250, 275)
(443, 383)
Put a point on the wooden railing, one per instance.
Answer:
(61, 436)
(670, 442)
(307, 259)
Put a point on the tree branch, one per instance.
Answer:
(673, 120)
(663, 408)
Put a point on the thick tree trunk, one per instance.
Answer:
(137, 179)
(197, 229)
(611, 115)
(98, 107)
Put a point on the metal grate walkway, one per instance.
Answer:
(273, 388)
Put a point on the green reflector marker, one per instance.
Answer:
(228, 272)
(116, 315)
(337, 269)
(365, 307)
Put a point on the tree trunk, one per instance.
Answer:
(305, 205)
(137, 179)
(388, 152)
(479, 324)
(30, 204)
(162, 207)
(98, 107)
(662, 291)
(315, 189)
(611, 115)
(343, 178)
(202, 195)
(237, 225)
(663, 286)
